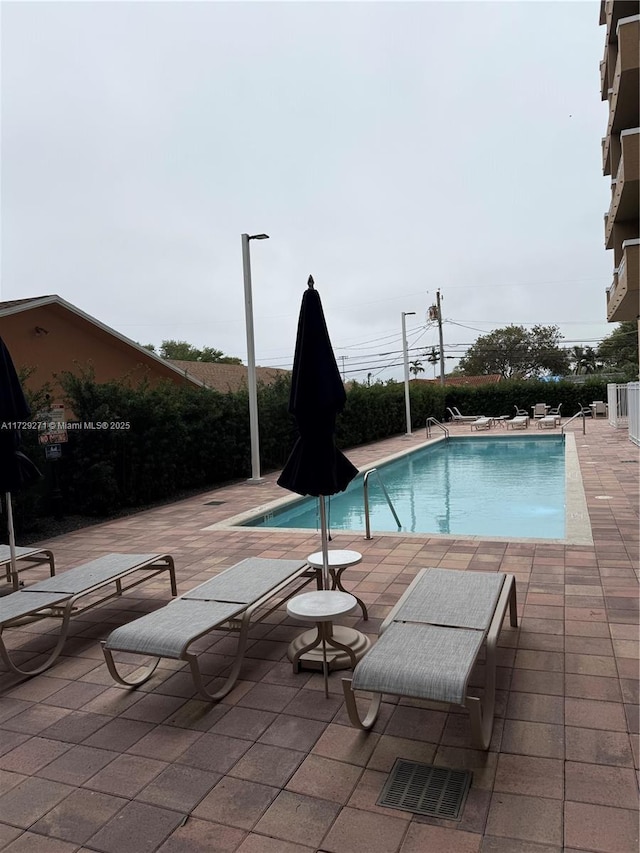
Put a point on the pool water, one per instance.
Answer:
(508, 486)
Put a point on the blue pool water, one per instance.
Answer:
(506, 486)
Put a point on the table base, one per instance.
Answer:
(336, 659)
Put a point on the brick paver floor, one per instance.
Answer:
(275, 767)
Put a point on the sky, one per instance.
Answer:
(389, 149)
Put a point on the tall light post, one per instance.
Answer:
(405, 352)
(251, 358)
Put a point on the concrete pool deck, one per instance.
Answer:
(275, 767)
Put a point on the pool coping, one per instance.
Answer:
(577, 523)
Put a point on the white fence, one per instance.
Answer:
(617, 404)
(633, 404)
(624, 408)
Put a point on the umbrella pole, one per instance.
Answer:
(12, 541)
(325, 543)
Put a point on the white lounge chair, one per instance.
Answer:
(455, 416)
(548, 421)
(57, 596)
(518, 422)
(226, 602)
(430, 642)
(482, 423)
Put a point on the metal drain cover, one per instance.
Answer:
(214, 503)
(425, 789)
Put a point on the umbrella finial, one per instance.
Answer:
(310, 282)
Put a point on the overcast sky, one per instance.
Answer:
(389, 149)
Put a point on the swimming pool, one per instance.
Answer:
(506, 486)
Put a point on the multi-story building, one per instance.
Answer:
(619, 79)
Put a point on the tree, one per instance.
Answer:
(584, 360)
(182, 351)
(516, 353)
(416, 367)
(619, 351)
(433, 358)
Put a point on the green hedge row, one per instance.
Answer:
(180, 438)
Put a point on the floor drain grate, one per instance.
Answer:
(214, 503)
(425, 789)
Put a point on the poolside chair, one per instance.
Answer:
(28, 558)
(599, 409)
(551, 419)
(518, 422)
(461, 419)
(539, 410)
(430, 642)
(227, 602)
(57, 596)
(521, 413)
(482, 423)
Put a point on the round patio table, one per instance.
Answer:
(339, 560)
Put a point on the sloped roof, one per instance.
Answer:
(226, 377)
(15, 306)
(489, 379)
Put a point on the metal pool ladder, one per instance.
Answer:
(436, 422)
(365, 486)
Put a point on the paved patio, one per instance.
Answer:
(276, 767)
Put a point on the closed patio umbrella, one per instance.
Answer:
(16, 469)
(316, 466)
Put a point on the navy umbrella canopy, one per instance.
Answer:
(16, 469)
(316, 466)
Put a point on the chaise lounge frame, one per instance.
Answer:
(58, 596)
(31, 556)
(231, 601)
(440, 618)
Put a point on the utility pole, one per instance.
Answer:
(440, 336)
(343, 358)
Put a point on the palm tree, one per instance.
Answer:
(416, 367)
(584, 360)
(433, 358)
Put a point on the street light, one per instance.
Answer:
(251, 358)
(407, 403)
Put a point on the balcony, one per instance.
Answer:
(616, 10)
(625, 187)
(624, 94)
(623, 296)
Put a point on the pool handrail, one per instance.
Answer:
(437, 423)
(580, 414)
(365, 487)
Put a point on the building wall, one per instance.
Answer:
(620, 86)
(51, 339)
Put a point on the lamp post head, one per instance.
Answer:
(259, 237)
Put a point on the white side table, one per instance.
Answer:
(322, 607)
(339, 560)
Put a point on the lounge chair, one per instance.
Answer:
(552, 419)
(518, 422)
(482, 423)
(29, 556)
(599, 409)
(226, 602)
(455, 416)
(548, 421)
(57, 596)
(521, 413)
(430, 642)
